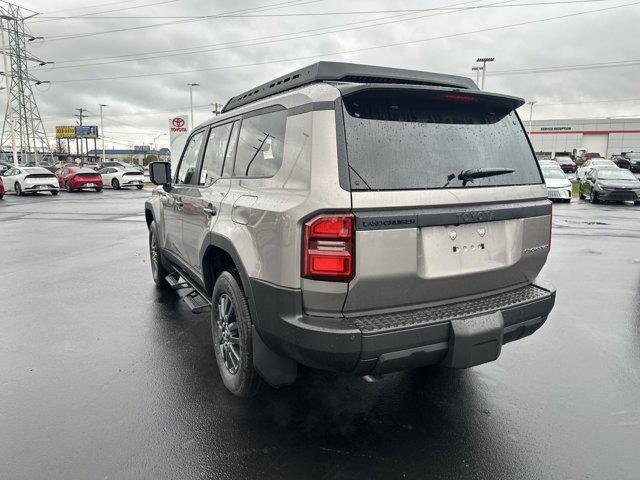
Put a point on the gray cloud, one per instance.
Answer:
(598, 37)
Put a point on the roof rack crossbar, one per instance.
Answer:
(346, 72)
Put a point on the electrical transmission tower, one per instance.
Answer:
(22, 130)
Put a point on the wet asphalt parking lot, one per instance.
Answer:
(103, 376)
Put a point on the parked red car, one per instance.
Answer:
(77, 178)
(1, 189)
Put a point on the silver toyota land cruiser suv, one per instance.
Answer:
(355, 219)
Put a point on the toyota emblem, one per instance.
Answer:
(178, 122)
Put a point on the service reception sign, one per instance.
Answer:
(178, 132)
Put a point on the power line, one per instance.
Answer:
(56, 38)
(97, 16)
(564, 68)
(619, 100)
(281, 36)
(84, 7)
(357, 50)
(314, 32)
(44, 18)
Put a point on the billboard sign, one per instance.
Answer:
(65, 131)
(178, 132)
(75, 131)
(87, 131)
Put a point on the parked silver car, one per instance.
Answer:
(357, 219)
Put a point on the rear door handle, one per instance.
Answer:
(210, 210)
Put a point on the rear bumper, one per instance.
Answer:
(126, 182)
(40, 188)
(460, 334)
(562, 193)
(618, 195)
(79, 185)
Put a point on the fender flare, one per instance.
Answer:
(223, 243)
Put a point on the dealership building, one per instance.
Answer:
(134, 156)
(606, 136)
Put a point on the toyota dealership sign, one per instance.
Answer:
(178, 131)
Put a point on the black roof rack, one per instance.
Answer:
(347, 72)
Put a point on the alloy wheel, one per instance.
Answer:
(155, 255)
(228, 334)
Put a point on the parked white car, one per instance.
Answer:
(23, 180)
(558, 185)
(593, 162)
(119, 177)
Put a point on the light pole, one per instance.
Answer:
(477, 70)
(102, 130)
(191, 85)
(531, 104)
(484, 61)
(155, 147)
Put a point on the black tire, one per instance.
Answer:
(635, 202)
(18, 189)
(158, 271)
(1, 196)
(580, 195)
(67, 186)
(115, 183)
(232, 336)
(139, 187)
(54, 192)
(594, 197)
(98, 189)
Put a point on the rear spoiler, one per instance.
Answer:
(506, 102)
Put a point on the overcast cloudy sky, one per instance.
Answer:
(262, 39)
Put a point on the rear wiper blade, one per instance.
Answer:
(469, 175)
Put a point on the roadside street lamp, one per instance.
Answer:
(484, 61)
(191, 85)
(155, 147)
(102, 130)
(531, 104)
(477, 70)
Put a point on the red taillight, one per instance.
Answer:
(459, 97)
(329, 248)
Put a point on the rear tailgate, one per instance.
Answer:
(424, 232)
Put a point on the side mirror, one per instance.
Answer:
(160, 173)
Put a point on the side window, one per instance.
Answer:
(214, 154)
(227, 170)
(187, 168)
(261, 145)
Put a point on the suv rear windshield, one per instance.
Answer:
(401, 139)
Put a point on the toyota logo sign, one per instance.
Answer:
(178, 125)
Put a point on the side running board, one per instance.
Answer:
(193, 296)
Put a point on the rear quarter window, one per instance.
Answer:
(260, 146)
